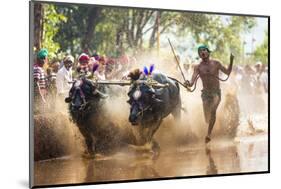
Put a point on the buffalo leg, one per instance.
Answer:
(88, 139)
(153, 130)
(177, 111)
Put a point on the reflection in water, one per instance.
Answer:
(247, 155)
(90, 171)
(118, 169)
(211, 168)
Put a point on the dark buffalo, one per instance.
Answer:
(85, 106)
(149, 105)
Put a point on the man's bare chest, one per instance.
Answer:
(208, 68)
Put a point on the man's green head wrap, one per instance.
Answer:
(42, 54)
(203, 47)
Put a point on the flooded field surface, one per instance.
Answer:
(244, 154)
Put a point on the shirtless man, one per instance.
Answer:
(208, 71)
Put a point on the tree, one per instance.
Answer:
(93, 17)
(77, 34)
(38, 25)
(261, 52)
(221, 33)
(113, 31)
(46, 21)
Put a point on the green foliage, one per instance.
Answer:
(50, 28)
(261, 52)
(72, 33)
(74, 29)
(222, 34)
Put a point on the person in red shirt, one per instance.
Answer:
(83, 66)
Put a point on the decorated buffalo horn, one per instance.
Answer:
(160, 85)
(157, 100)
(95, 67)
(67, 99)
(153, 83)
(100, 94)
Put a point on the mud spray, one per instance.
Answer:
(56, 135)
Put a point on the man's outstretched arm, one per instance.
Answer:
(194, 76)
(228, 70)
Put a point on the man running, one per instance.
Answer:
(208, 71)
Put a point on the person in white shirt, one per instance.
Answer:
(64, 76)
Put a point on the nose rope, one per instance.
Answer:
(143, 110)
(82, 95)
(190, 90)
(197, 77)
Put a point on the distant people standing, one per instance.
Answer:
(40, 80)
(52, 71)
(264, 78)
(102, 64)
(109, 71)
(257, 83)
(83, 66)
(64, 76)
(124, 61)
(247, 86)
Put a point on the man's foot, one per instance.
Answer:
(207, 139)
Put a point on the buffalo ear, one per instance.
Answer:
(151, 91)
(67, 100)
(130, 101)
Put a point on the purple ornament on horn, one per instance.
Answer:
(95, 67)
(145, 70)
(151, 68)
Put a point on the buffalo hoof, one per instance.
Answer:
(155, 149)
(88, 155)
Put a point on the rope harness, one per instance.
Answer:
(81, 93)
(143, 110)
(196, 79)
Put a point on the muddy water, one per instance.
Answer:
(244, 154)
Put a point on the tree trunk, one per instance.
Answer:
(120, 38)
(93, 17)
(38, 25)
(152, 36)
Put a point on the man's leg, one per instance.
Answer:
(212, 120)
(207, 114)
(207, 110)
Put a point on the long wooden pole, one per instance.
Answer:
(158, 33)
(177, 60)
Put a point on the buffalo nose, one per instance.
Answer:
(132, 118)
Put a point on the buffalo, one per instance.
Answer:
(85, 104)
(149, 105)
